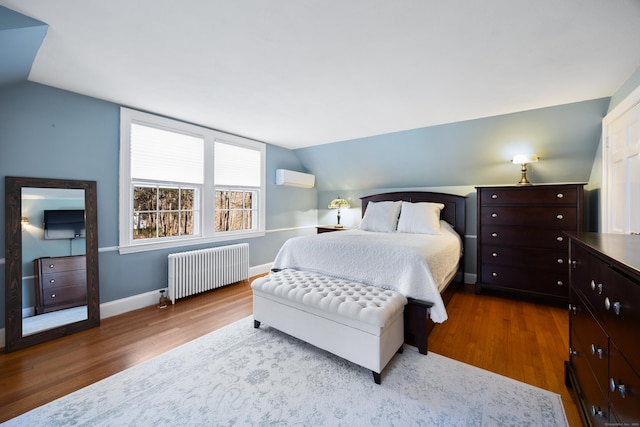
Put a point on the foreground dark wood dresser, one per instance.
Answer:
(521, 244)
(61, 282)
(603, 369)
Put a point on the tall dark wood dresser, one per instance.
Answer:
(521, 245)
(603, 369)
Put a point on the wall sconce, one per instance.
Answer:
(24, 221)
(337, 204)
(523, 159)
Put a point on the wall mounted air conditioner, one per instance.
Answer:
(294, 179)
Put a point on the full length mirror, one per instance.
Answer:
(51, 259)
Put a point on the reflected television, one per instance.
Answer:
(64, 224)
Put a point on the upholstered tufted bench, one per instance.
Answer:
(360, 323)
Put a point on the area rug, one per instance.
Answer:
(239, 375)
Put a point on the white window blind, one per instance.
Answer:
(161, 155)
(236, 166)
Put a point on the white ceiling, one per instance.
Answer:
(298, 73)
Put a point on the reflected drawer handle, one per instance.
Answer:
(573, 309)
(573, 352)
(560, 261)
(494, 234)
(597, 287)
(53, 295)
(560, 283)
(494, 274)
(560, 216)
(494, 196)
(559, 195)
(560, 239)
(51, 265)
(620, 387)
(52, 281)
(494, 215)
(494, 254)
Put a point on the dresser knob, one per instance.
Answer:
(597, 412)
(620, 387)
(52, 281)
(494, 196)
(560, 216)
(494, 274)
(597, 350)
(616, 305)
(573, 352)
(53, 295)
(560, 239)
(494, 234)
(573, 309)
(51, 266)
(560, 261)
(494, 215)
(494, 254)
(559, 195)
(559, 283)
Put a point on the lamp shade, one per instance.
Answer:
(338, 203)
(525, 158)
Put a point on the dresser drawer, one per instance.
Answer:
(546, 259)
(562, 218)
(547, 195)
(548, 282)
(56, 265)
(65, 278)
(595, 400)
(523, 236)
(594, 343)
(624, 387)
(588, 277)
(68, 295)
(622, 297)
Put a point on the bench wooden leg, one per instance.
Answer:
(256, 323)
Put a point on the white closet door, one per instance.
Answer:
(621, 183)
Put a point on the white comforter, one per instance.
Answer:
(412, 264)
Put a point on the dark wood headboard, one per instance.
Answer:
(454, 206)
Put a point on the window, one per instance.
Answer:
(181, 184)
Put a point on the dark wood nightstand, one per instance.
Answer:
(329, 228)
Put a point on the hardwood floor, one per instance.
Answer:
(521, 340)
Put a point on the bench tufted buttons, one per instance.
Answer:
(368, 304)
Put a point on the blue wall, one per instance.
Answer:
(51, 133)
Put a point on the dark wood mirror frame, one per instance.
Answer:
(14, 339)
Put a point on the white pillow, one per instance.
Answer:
(381, 216)
(422, 217)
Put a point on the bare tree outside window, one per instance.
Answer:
(162, 212)
(234, 210)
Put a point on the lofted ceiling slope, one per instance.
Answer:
(304, 73)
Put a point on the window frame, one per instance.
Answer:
(207, 193)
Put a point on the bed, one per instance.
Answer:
(378, 257)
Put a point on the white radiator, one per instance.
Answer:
(201, 270)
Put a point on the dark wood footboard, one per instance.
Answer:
(417, 324)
